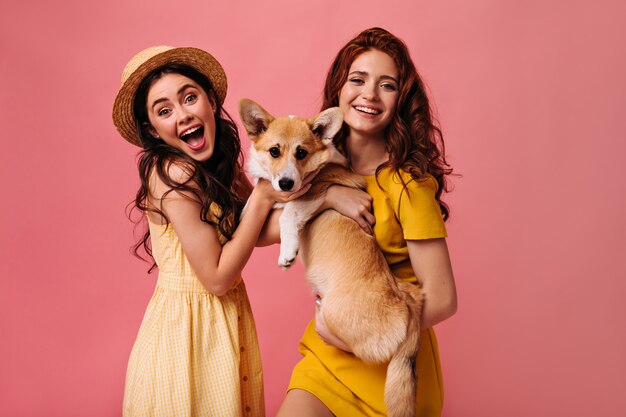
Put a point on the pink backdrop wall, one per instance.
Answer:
(531, 97)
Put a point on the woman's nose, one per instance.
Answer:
(183, 116)
(370, 92)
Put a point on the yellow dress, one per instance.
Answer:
(196, 354)
(345, 384)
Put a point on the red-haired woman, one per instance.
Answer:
(390, 138)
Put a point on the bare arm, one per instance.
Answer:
(270, 233)
(218, 267)
(348, 204)
(326, 335)
(431, 263)
(352, 203)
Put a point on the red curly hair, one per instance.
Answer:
(413, 140)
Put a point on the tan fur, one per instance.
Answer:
(284, 129)
(363, 303)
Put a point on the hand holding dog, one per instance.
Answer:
(268, 193)
(322, 330)
(353, 203)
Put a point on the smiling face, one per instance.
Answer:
(182, 114)
(369, 96)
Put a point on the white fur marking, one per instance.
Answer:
(295, 215)
(290, 171)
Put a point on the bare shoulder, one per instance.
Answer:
(179, 171)
(174, 172)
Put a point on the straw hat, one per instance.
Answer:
(143, 64)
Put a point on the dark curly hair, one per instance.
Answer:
(413, 140)
(214, 180)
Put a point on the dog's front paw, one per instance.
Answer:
(287, 257)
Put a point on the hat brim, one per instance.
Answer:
(202, 61)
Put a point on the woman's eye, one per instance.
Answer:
(275, 152)
(389, 87)
(356, 81)
(190, 98)
(164, 112)
(301, 153)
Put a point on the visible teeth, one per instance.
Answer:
(367, 110)
(190, 131)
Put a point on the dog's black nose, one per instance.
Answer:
(285, 184)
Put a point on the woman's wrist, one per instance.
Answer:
(329, 199)
(261, 201)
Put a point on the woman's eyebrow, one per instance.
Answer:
(389, 77)
(179, 92)
(365, 73)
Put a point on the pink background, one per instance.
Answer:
(531, 97)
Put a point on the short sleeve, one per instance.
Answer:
(416, 207)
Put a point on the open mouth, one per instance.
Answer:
(194, 137)
(367, 110)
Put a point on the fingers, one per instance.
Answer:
(299, 193)
(367, 203)
(367, 228)
(267, 191)
(320, 325)
(369, 218)
(308, 177)
(306, 186)
(326, 335)
(364, 216)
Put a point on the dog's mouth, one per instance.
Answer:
(193, 137)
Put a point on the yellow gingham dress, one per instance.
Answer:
(196, 354)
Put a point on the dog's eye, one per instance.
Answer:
(275, 152)
(301, 153)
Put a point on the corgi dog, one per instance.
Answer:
(362, 302)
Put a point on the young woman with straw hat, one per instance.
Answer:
(196, 353)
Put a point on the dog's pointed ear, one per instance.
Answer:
(326, 124)
(255, 118)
